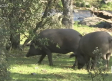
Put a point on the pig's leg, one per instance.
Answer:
(108, 58)
(50, 58)
(41, 58)
(75, 64)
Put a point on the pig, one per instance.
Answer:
(54, 41)
(88, 43)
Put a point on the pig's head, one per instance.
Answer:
(80, 59)
(33, 50)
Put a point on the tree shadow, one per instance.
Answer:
(61, 60)
(50, 77)
(55, 77)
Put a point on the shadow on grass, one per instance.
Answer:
(51, 77)
(61, 60)
(55, 77)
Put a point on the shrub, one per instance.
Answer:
(99, 73)
(4, 74)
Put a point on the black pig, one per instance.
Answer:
(54, 41)
(88, 43)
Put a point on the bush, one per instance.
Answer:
(82, 4)
(107, 6)
(4, 74)
(98, 73)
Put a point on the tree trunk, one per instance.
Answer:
(15, 40)
(14, 28)
(14, 36)
(67, 20)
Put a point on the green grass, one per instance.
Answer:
(27, 69)
(96, 3)
(107, 6)
(21, 69)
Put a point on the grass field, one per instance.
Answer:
(27, 69)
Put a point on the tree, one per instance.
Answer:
(22, 16)
(4, 73)
(25, 16)
(45, 19)
(67, 13)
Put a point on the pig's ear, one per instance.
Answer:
(73, 55)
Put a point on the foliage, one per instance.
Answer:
(4, 73)
(28, 17)
(96, 3)
(24, 14)
(98, 73)
(107, 6)
(27, 13)
(4, 67)
(48, 20)
(82, 3)
(85, 3)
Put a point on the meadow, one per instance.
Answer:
(27, 69)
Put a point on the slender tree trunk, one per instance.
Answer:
(67, 13)
(15, 40)
(14, 28)
(14, 35)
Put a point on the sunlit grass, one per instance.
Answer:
(27, 69)
(107, 6)
(83, 29)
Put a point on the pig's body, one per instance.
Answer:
(55, 41)
(88, 43)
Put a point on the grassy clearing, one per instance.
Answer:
(27, 69)
(21, 69)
